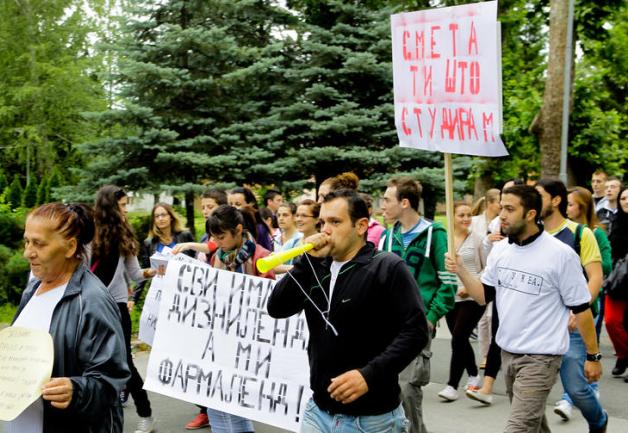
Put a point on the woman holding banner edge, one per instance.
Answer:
(237, 252)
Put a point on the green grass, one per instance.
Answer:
(7, 311)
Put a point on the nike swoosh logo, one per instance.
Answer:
(345, 300)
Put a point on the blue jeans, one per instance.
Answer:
(316, 420)
(223, 422)
(581, 393)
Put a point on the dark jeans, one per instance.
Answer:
(461, 321)
(135, 385)
(494, 357)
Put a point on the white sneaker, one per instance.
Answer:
(474, 382)
(473, 394)
(145, 425)
(563, 409)
(449, 393)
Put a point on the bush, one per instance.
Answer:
(11, 226)
(13, 275)
(14, 196)
(140, 222)
(13, 267)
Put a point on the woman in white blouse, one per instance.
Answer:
(466, 313)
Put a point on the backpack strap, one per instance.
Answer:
(578, 238)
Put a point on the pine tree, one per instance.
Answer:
(14, 197)
(54, 182)
(42, 191)
(29, 198)
(3, 181)
(189, 69)
(337, 111)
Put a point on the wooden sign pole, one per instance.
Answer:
(449, 201)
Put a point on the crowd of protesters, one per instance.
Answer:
(540, 252)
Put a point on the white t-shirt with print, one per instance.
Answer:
(534, 285)
(37, 314)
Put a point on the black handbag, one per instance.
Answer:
(616, 284)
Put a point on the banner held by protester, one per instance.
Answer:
(447, 79)
(216, 346)
(150, 310)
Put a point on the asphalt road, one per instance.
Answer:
(461, 416)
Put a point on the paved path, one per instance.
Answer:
(462, 416)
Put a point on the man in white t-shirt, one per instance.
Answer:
(535, 280)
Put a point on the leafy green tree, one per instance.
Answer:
(47, 79)
(29, 198)
(14, 196)
(598, 125)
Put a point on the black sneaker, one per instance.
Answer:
(620, 367)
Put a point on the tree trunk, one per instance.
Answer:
(189, 211)
(548, 123)
(482, 184)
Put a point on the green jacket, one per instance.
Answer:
(425, 257)
(605, 250)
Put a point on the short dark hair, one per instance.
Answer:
(515, 181)
(530, 198)
(599, 172)
(248, 195)
(555, 188)
(407, 188)
(224, 219)
(357, 206)
(218, 195)
(270, 195)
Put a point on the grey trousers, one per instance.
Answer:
(529, 380)
(411, 379)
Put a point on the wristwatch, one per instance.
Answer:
(594, 357)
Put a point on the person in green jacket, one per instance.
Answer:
(422, 244)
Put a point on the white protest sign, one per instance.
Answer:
(26, 357)
(447, 77)
(216, 346)
(150, 310)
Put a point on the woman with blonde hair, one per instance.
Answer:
(166, 230)
(485, 210)
(466, 313)
(580, 209)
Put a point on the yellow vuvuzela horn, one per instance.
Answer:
(267, 263)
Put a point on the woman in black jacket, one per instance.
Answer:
(65, 299)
